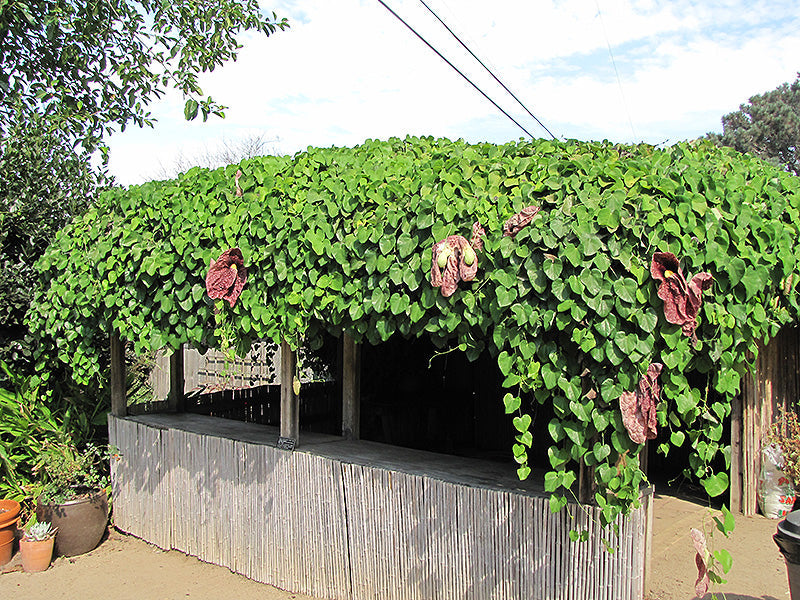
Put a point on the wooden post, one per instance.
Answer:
(736, 454)
(119, 401)
(586, 484)
(176, 382)
(351, 388)
(290, 405)
(648, 539)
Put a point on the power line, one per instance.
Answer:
(614, 64)
(488, 70)
(452, 66)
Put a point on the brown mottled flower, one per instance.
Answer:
(520, 220)
(699, 541)
(682, 300)
(236, 181)
(639, 408)
(454, 252)
(226, 276)
(477, 236)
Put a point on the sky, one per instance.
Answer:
(655, 71)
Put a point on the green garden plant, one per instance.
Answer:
(26, 425)
(712, 563)
(341, 239)
(66, 472)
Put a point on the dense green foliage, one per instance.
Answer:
(44, 183)
(340, 240)
(32, 420)
(767, 126)
(89, 67)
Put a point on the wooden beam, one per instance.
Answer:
(119, 401)
(176, 382)
(290, 405)
(351, 388)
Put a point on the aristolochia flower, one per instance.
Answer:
(682, 300)
(639, 408)
(477, 236)
(454, 260)
(226, 276)
(520, 220)
(699, 541)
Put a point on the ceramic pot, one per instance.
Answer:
(36, 555)
(8, 528)
(788, 539)
(81, 522)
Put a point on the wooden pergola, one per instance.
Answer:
(290, 407)
(348, 519)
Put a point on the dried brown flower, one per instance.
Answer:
(639, 408)
(236, 181)
(478, 232)
(519, 221)
(699, 541)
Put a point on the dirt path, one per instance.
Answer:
(125, 568)
(758, 571)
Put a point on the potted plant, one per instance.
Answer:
(74, 496)
(36, 547)
(9, 516)
(780, 469)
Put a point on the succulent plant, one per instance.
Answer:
(39, 532)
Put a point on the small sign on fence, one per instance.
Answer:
(285, 443)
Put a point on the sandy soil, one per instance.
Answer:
(125, 568)
(758, 570)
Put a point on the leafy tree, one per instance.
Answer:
(43, 184)
(90, 67)
(71, 73)
(767, 126)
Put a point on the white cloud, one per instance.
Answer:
(347, 71)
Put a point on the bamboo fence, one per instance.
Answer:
(355, 520)
(773, 384)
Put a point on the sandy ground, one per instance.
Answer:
(758, 570)
(125, 568)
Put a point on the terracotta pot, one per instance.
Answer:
(81, 522)
(11, 508)
(8, 528)
(36, 555)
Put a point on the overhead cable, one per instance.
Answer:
(452, 66)
(488, 70)
(614, 64)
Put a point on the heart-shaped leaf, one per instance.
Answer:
(522, 423)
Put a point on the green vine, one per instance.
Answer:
(341, 240)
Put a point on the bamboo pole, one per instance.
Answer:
(736, 453)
